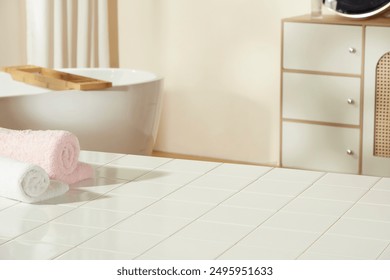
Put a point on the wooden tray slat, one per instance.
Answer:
(53, 79)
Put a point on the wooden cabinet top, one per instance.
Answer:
(335, 19)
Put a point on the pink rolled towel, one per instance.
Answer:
(56, 151)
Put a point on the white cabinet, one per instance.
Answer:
(320, 147)
(320, 47)
(322, 98)
(335, 95)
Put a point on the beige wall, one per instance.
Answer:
(220, 60)
(12, 33)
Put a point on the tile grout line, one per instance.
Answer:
(126, 181)
(51, 220)
(206, 211)
(79, 206)
(277, 211)
(196, 219)
(104, 164)
(7, 207)
(384, 250)
(130, 214)
(140, 210)
(71, 247)
(341, 216)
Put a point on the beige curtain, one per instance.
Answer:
(67, 33)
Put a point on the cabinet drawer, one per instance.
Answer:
(322, 47)
(320, 147)
(321, 98)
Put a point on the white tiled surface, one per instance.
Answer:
(140, 207)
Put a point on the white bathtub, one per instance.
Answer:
(121, 119)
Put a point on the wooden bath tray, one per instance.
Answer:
(53, 79)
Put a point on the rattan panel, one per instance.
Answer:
(382, 108)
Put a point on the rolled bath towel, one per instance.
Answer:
(27, 182)
(56, 151)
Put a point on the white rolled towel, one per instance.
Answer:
(27, 182)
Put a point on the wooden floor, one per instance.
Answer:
(201, 158)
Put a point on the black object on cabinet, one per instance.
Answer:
(357, 8)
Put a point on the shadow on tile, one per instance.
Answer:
(73, 198)
(126, 173)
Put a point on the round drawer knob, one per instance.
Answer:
(349, 152)
(350, 101)
(352, 50)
